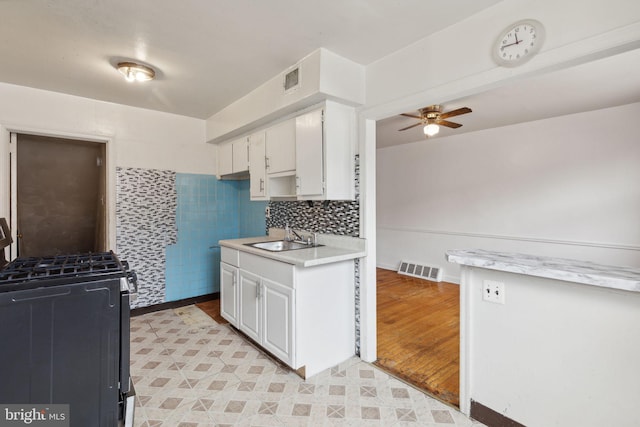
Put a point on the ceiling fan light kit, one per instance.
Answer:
(431, 129)
(432, 118)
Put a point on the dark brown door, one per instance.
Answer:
(60, 196)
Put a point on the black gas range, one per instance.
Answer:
(64, 329)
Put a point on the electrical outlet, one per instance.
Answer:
(267, 212)
(493, 291)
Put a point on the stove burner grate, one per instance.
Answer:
(27, 269)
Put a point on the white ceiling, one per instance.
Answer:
(595, 85)
(207, 53)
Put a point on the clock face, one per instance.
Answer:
(518, 43)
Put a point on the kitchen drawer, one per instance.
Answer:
(230, 256)
(267, 268)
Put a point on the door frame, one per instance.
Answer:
(8, 187)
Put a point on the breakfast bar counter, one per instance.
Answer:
(569, 270)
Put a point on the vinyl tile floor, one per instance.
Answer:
(190, 371)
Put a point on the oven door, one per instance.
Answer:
(125, 337)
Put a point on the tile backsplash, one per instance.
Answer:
(329, 217)
(145, 225)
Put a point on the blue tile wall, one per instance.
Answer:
(252, 216)
(208, 210)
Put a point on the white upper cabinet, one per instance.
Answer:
(241, 155)
(309, 154)
(306, 157)
(233, 157)
(225, 159)
(281, 147)
(325, 166)
(257, 167)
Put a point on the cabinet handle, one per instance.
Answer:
(266, 163)
(235, 280)
(297, 184)
(261, 185)
(258, 292)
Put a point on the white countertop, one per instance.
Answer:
(585, 272)
(335, 248)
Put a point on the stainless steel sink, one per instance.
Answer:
(280, 245)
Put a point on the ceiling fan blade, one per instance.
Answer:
(412, 116)
(459, 111)
(448, 124)
(409, 127)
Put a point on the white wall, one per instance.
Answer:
(566, 186)
(136, 137)
(457, 60)
(556, 354)
(142, 138)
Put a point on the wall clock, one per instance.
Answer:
(518, 43)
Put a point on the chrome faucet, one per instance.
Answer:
(288, 231)
(299, 237)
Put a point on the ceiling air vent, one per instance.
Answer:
(420, 271)
(292, 80)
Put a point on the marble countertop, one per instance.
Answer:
(335, 248)
(585, 272)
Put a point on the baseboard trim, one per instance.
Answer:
(174, 304)
(387, 267)
(491, 418)
(603, 245)
(445, 278)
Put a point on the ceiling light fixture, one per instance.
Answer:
(136, 72)
(431, 129)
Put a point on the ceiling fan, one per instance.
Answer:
(432, 118)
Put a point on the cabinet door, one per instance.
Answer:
(257, 167)
(277, 320)
(309, 154)
(240, 155)
(249, 312)
(281, 147)
(228, 293)
(225, 159)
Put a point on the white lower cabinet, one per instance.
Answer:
(266, 311)
(303, 316)
(249, 298)
(277, 320)
(228, 294)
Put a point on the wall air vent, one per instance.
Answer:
(420, 271)
(292, 80)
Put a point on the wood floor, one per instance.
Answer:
(419, 333)
(212, 308)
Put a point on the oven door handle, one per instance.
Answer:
(132, 280)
